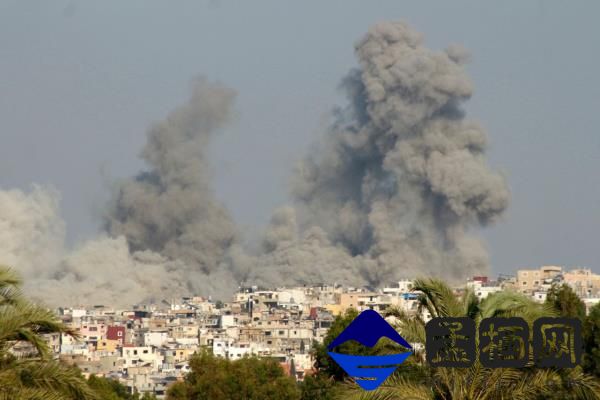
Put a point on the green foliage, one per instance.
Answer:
(214, 378)
(565, 301)
(591, 342)
(111, 389)
(318, 387)
(34, 376)
(178, 391)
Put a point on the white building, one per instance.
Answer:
(156, 338)
(136, 356)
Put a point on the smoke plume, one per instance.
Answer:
(31, 231)
(395, 189)
(166, 235)
(400, 178)
(170, 208)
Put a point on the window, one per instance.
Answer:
(135, 352)
(281, 332)
(145, 351)
(524, 283)
(119, 333)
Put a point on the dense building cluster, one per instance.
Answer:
(147, 347)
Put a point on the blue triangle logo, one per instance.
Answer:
(369, 372)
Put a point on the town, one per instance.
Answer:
(147, 347)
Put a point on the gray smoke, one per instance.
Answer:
(31, 231)
(170, 208)
(394, 190)
(167, 236)
(400, 178)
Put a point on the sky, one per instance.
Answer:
(80, 83)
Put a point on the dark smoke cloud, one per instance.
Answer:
(170, 208)
(401, 177)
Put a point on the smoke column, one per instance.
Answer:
(166, 235)
(400, 178)
(170, 208)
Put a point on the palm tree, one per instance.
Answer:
(34, 375)
(475, 382)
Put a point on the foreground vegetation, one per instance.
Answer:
(34, 374)
(214, 378)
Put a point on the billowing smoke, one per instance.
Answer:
(105, 271)
(401, 176)
(170, 208)
(166, 235)
(31, 231)
(396, 188)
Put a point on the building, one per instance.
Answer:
(116, 333)
(530, 280)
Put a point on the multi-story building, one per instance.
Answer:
(530, 280)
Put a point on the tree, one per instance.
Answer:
(318, 387)
(111, 389)
(34, 375)
(591, 341)
(475, 382)
(249, 378)
(565, 301)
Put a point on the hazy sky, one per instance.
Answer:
(80, 82)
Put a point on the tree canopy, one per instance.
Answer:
(565, 301)
(249, 378)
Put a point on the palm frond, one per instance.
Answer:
(439, 296)
(394, 388)
(50, 376)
